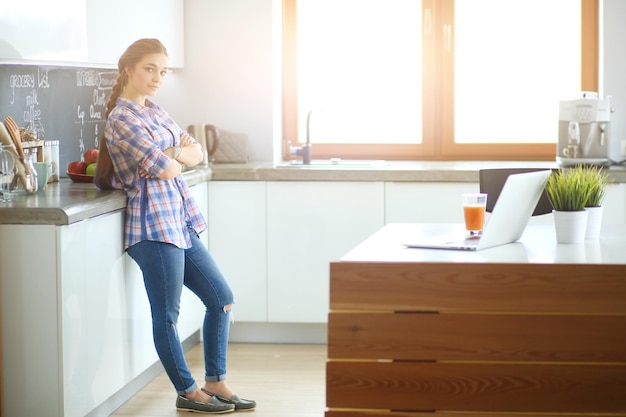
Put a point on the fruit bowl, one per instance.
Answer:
(80, 177)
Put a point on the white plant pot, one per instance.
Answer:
(570, 226)
(594, 222)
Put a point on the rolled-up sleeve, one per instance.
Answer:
(135, 138)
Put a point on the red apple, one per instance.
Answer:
(91, 156)
(77, 167)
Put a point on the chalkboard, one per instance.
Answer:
(68, 102)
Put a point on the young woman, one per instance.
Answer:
(143, 152)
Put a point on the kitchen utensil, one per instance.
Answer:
(220, 146)
(212, 139)
(9, 145)
(197, 131)
(7, 166)
(585, 132)
(14, 132)
(7, 161)
(43, 171)
(51, 155)
(226, 147)
(571, 151)
(27, 184)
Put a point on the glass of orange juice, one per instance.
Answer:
(474, 205)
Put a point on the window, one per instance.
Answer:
(444, 79)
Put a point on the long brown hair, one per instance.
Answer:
(105, 175)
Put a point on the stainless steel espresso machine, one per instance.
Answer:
(585, 132)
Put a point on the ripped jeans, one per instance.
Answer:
(166, 268)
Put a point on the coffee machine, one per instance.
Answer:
(585, 132)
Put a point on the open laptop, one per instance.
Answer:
(508, 219)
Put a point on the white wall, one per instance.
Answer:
(613, 63)
(228, 75)
(105, 45)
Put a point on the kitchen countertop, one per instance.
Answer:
(398, 171)
(65, 202)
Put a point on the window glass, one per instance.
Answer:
(434, 79)
(514, 62)
(359, 70)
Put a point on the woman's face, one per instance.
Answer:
(145, 78)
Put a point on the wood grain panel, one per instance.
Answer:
(553, 288)
(476, 387)
(477, 337)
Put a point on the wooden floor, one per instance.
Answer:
(285, 381)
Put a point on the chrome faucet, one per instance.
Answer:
(305, 150)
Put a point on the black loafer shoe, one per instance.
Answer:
(241, 404)
(215, 406)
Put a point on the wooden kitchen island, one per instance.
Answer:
(533, 328)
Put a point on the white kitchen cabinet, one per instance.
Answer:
(30, 320)
(614, 204)
(417, 202)
(237, 241)
(114, 24)
(431, 202)
(86, 31)
(75, 314)
(425, 202)
(275, 240)
(200, 193)
(310, 224)
(95, 325)
(63, 311)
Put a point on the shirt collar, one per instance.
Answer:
(133, 105)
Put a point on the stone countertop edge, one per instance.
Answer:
(65, 202)
(393, 171)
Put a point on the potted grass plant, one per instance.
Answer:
(597, 180)
(568, 192)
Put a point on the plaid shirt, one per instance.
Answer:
(157, 209)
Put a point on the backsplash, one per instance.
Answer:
(63, 103)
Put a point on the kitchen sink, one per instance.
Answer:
(333, 163)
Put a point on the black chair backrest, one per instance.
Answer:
(492, 181)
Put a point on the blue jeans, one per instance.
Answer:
(166, 268)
